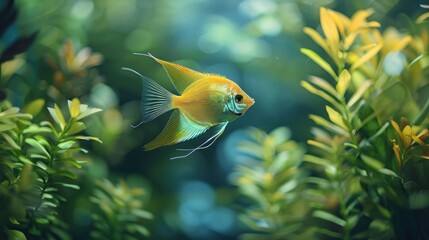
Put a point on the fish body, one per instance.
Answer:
(204, 101)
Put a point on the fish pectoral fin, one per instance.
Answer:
(178, 129)
(180, 76)
(219, 130)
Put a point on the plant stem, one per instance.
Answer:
(422, 114)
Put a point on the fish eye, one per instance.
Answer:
(238, 98)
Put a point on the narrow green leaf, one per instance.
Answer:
(66, 145)
(329, 217)
(65, 173)
(343, 82)
(367, 56)
(38, 146)
(372, 162)
(68, 185)
(88, 138)
(8, 112)
(11, 142)
(59, 119)
(319, 60)
(74, 107)
(34, 107)
(76, 128)
(7, 127)
(359, 93)
(316, 160)
(335, 117)
(142, 214)
(320, 93)
(328, 125)
(323, 84)
(88, 112)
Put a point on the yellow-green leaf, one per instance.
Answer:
(320, 93)
(359, 93)
(422, 17)
(320, 61)
(313, 34)
(74, 107)
(324, 85)
(335, 117)
(328, 26)
(328, 125)
(57, 115)
(366, 57)
(343, 82)
(34, 107)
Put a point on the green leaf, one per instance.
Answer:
(7, 126)
(366, 57)
(323, 84)
(66, 145)
(335, 117)
(319, 60)
(74, 107)
(38, 146)
(34, 107)
(68, 185)
(65, 173)
(43, 221)
(317, 160)
(11, 142)
(88, 138)
(76, 128)
(142, 213)
(359, 93)
(57, 115)
(320, 93)
(343, 82)
(88, 112)
(328, 125)
(329, 217)
(15, 235)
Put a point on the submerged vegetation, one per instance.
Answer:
(368, 162)
(71, 165)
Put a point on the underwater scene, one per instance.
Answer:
(207, 120)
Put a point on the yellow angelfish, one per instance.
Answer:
(205, 101)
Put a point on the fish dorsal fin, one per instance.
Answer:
(181, 77)
(178, 129)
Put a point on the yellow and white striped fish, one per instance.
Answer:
(206, 100)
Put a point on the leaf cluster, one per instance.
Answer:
(359, 156)
(270, 179)
(119, 213)
(39, 162)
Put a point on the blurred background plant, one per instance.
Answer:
(354, 181)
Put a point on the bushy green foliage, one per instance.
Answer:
(119, 213)
(271, 179)
(368, 174)
(38, 164)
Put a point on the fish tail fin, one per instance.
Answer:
(156, 100)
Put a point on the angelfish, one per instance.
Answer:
(205, 100)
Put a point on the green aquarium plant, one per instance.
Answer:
(270, 179)
(367, 164)
(39, 162)
(119, 213)
(372, 170)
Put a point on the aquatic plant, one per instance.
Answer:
(376, 77)
(366, 172)
(119, 213)
(38, 164)
(271, 179)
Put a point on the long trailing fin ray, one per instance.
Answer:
(156, 100)
(205, 144)
(178, 129)
(181, 77)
